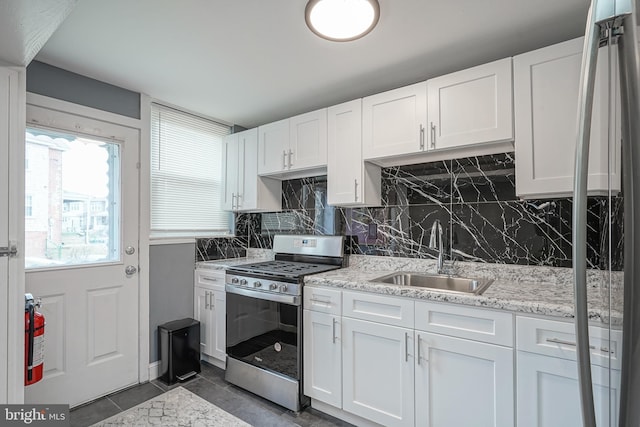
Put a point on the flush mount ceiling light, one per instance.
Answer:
(342, 20)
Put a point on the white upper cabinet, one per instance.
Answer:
(294, 147)
(308, 140)
(273, 147)
(471, 106)
(350, 181)
(393, 122)
(546, 85)
(244, 189)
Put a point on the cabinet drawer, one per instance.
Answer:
(213, 279)
(378, 308)
(557, 339)
(471, 323)
(322, 300)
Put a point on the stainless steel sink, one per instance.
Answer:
(437, 282)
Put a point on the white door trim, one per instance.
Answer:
(144, 126)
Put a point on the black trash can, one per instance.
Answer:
(179, 343)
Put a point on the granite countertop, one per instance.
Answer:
(544, 291)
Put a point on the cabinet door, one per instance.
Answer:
(217, 330)
(230, 163)
(546, 86)
(344, 162)
(322, 358)
(471, 106)
(378, 372)
(202, 313)
(308, 140)
(247, 198)
(453, 373)
(273, 147)
(548, 392)
(393, 122)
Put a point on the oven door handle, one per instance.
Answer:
(285, 299)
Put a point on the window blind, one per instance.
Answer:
(186, 175)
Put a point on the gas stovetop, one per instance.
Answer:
(288, 269)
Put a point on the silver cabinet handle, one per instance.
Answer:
(355, 189)
(321, 301)
(209, 279)
(418, 349)
(421, 137)
(573, 344)
(406, 347)
(334, 330)
(433, 135)
(284, 159)
(290, 155)
(206, 300)
(233, 201)
(211, 300)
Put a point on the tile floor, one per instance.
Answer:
(211, 386)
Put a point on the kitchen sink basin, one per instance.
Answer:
(437, 282)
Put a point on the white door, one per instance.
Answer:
(308, 140)
(548, 392)
(81, 226)
(322, 349)
(471, 106)
(393, 122)
(202, 299)
(230, 172)
(218, 329)
(449, 368)
(344, 161)
(378, 372)
(546, 86)
(273, 147)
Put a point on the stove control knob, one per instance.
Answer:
(257, 284)
(273, 286)
(283, 288)
(243, 282)
(234, 280)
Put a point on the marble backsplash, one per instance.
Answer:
(475, 201)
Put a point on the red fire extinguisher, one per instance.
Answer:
(33, 341)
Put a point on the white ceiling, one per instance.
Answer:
(254, 61)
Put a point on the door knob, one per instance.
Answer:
(130, 270)
(130, 250)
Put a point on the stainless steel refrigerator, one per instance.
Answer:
(611, 35)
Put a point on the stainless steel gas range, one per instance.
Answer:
(264, 316)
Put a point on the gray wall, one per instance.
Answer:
(45, 79)
(171, 269)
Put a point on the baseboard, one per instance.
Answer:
(343, 415)
(154, 370)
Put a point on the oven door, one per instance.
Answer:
(264, 333)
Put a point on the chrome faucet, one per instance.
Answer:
(437, 228)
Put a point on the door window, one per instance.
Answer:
(72, 192)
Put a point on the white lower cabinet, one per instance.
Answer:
(461, 382)
(210, 310)
(378, 372)
(361, 358)
(322, 357)
(547, 374)
(548, 392)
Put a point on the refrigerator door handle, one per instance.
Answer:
(579, 233)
